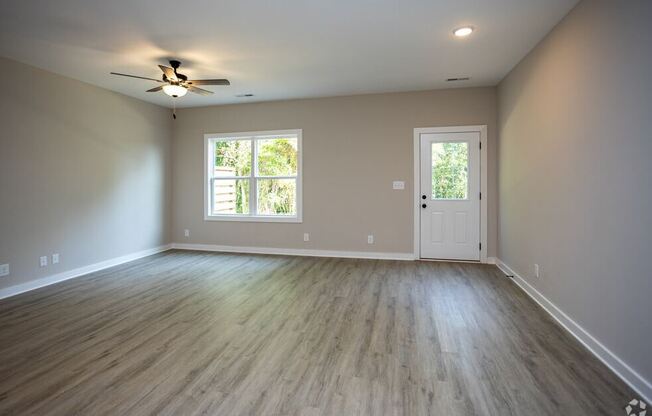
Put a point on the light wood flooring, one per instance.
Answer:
(190, 333)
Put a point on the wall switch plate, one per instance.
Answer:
(4, 270)
(55, 258)
(306, 237)
(398, 185)
(186, 233)
(43, 261)
(370, 239)
(536, 270)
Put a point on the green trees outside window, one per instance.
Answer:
(450, 161)
(275, 173)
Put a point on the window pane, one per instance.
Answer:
(277, 157)
(232, 158)
(277, 197)
(230, 196)
(450, 163)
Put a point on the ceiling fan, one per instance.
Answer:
(176, 84)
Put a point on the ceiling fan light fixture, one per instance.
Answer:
(175, 90)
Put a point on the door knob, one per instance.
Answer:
(423, 197)
(423, 205)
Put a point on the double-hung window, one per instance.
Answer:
(253, 176)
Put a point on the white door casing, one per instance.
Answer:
(449, 216)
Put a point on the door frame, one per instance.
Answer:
(482, 129)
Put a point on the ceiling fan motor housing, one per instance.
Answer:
(175, 65)
(181, 77)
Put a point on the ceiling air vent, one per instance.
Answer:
(458, 79)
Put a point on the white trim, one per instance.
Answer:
(253, 178)
(70, 274)
(482, 129)
(634, 380)
(241, 134)
(295, 252)
(252, 218)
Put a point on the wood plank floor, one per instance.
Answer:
(189, 333)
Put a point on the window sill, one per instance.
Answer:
(249, 218)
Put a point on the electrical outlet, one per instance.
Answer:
(43, 261)
(4, 270)
(306, 237)
(536, 270)
(186, 233)
(370, 239)
(55, 258)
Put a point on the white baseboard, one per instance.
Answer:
(70, 274)
(611, 360)
(295, 252)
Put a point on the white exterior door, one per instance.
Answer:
(450, 195)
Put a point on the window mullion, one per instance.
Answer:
(253, 187)
(278, 177)
(212, 195)
(211, 176)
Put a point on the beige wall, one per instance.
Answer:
(353, 148)
(84, 172)
(575, 172)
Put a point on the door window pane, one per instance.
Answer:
(230, 196)
(277, 157)
(277, 196)
(450, 165)
(232, 158)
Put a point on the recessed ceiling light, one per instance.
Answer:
(463, 31)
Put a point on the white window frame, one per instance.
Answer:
(251, 217)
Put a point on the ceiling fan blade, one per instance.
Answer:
(135, 76)
(155, 89)
(208, 82)
(199, 91)
(169, 73)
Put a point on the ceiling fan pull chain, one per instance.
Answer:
(174, 109)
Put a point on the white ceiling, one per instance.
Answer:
(277, 49)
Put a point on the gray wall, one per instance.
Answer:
(353, 147)
(84, 172)
(575, 172)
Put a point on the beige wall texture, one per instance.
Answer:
(575, 176)
(353, 148)
(84, 172)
